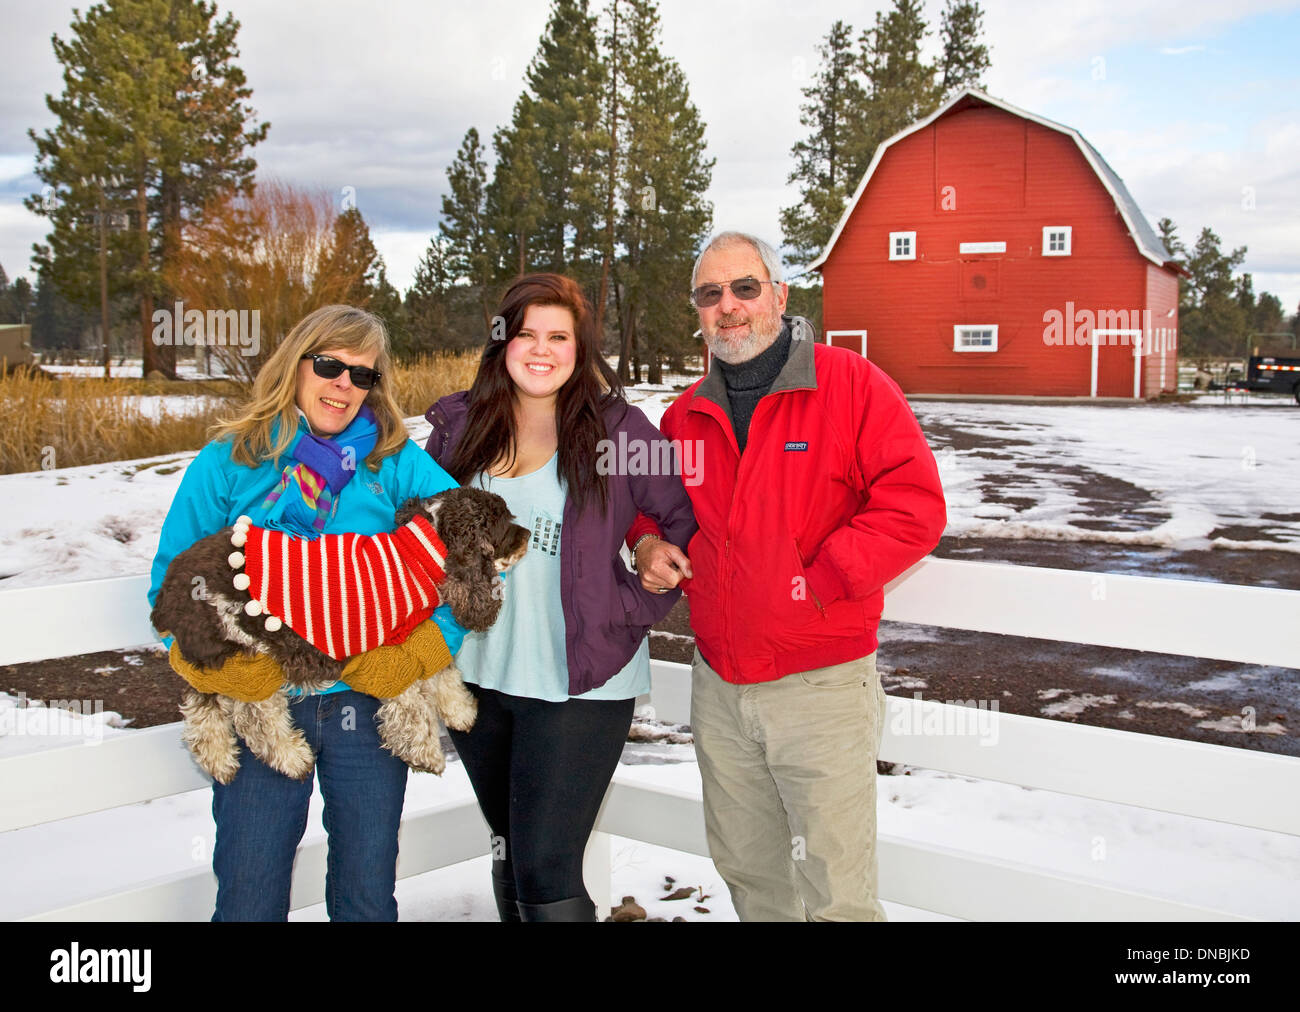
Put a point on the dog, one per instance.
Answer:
(467, 533)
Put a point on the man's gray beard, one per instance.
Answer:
(763, 332)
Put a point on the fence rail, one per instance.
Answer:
(1229, 785)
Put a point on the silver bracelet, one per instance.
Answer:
(637, 545)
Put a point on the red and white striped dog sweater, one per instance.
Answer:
(343, 593)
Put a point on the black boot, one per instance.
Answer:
(577, 908)
(507, 904)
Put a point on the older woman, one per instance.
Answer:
(319, 448)
(558, 674)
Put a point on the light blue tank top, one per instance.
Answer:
(523, 654)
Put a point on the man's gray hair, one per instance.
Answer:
(771, 259)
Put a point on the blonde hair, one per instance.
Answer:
(275, 390)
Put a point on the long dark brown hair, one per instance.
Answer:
(490, 431)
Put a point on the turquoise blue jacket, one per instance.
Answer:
(215, 491)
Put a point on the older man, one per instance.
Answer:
(817, 489)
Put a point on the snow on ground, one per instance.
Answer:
(1028, 476)
(33, 725)
(1219, 866)
(174, 405)
(1203, 470)
(131, 369)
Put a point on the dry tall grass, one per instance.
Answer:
(421, 382)
(46, 423)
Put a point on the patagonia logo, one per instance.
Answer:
(799, 447)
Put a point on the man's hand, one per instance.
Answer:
(662, 565)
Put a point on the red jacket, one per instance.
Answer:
(836, 494)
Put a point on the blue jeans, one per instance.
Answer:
(261, 815)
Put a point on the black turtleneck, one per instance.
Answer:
(748, 382)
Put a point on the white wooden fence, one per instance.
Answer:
(1246, 788)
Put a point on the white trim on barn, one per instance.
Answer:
(1124, 204)
(907, 242)
(1094, 334)
(982, 247)
(862, 334)
(964, 333)
(1050, 232)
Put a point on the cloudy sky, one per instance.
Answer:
(1193, 103)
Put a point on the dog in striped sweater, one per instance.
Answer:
(312, 605)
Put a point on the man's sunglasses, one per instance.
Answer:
(747, 289)
(331, 368)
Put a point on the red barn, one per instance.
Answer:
(991, 251)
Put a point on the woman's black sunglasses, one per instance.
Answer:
(742, 288)
(331, 368)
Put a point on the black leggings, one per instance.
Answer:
(540, 771)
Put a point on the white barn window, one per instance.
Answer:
(902, 245)
(975, 337)
(1056, 240)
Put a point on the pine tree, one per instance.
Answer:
(1169, 239)
(835, 106)
(964, 58)
(468, 249)
(151, 124)
(385, 301)
(862, 98)
(514, 199)
(566, 80)
(353, 254)
(1213, 322)
(1268, 321)
(901, 87)
(17, 303)
(428, 297)
(665, 216)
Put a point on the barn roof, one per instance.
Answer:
(1144, 236)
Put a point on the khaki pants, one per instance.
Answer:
(789, 773)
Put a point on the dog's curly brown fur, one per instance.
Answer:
(210, 626)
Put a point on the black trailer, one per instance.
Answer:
(1275, 372)
(1267, 371)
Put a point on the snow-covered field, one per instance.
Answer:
(1221, 466)
(131, 369)
(1201, 468)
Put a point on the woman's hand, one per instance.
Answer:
(661, 565)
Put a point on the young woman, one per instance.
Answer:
(545, 426)
(320, 448)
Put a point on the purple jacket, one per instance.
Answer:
(606, 611)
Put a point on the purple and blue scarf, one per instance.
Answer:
(307, 494)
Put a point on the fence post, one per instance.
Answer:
(597, 873)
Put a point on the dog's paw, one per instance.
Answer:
(457, 707)
(408, 728)
(222, 768)
(208, 735)
(293, 758)
(424, 756)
